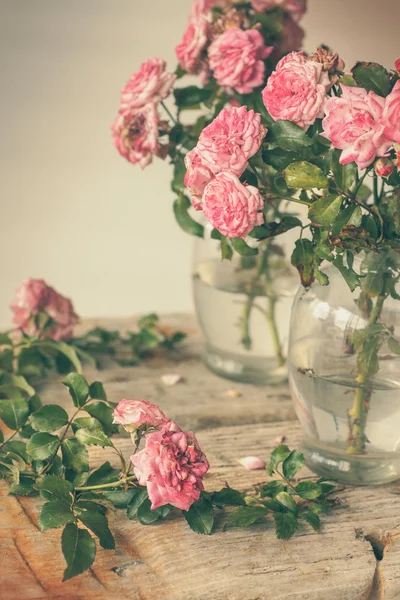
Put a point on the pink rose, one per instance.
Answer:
(188, 52)
(151, 84)
(197, 176)
(133, 414)
(391, 114)
(39, 309)
(297, 8)
(353, 123)
(296, 91)
(136, 135)
(397, 65)
(172, 467)
(230, 140)
(232, 207)
(383, 167)
(236, 57)
(202, 8)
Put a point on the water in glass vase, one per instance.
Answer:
(242, 342)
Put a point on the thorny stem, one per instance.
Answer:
(165, 107)
(10, 438)
(271, 316)
(116, 484)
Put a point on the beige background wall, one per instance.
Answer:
(73, 212)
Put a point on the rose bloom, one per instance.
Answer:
(296, 91)
(353, 123)
(391, 114)
(133, 414)
(172, 467)
(35, 299)
(197, 176)
(136, 135)
(296, 7)
(397, 65)
(188, 52)
(236, 58)
(232, 207)
(152, 83)
(230, 140)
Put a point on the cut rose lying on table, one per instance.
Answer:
(167, 476)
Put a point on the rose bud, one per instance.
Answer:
(135, 414)
(384, 167)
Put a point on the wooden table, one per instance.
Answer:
(168, 561)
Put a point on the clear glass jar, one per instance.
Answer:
(344, 373)
(243, 308)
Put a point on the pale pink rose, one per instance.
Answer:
(353, 123)
(151, 84)
(172, 466)
(39, 309)
(236, 58)
(296, 91)
(383, 167)
(391, 114)
(136, 135)
(188, 52)
(252, 463)
(133, 414)
(230, 140)
(296, 8)
(197, 176)
(232, 207)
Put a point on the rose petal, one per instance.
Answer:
(252, 462)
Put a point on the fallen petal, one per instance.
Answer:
(252, 462)
(170, 379)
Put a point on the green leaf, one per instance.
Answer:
(5, 340)
(303, 260)
(34, 403)
(309, 490)
(6, 360)
(104, 474)
(98, 523)
(287, 501)
(374, 267)
(23, 488)
(55, 514)
(139, 496)
(147, 516)
(103, 413)
(345, 175)
(278, 455)
(78, 388)
(18, 448)
(119, 498)
(292, 464)
(242, 248)
(306, 176)
(321, 277)
(247, 515)
(97, 437)
(200, 516)
(42, 445)
(351, 215)
(272, 489)
(49, 418)
(75, 455)
(87, 423)
(17, 381)
(226, 249)
(79, 550)
(349, 275)
(52, 487)
(62, 347)
(97, 392)
(191, 96)
(288, 136)
(184, 220)
(325, 210)
(372, 76)
(14, 413)
(394, 345)
(312, 519)
(279, 158)
(285, 525)
(228, 497)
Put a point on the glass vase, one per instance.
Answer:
(243, 308)
(344, 373)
